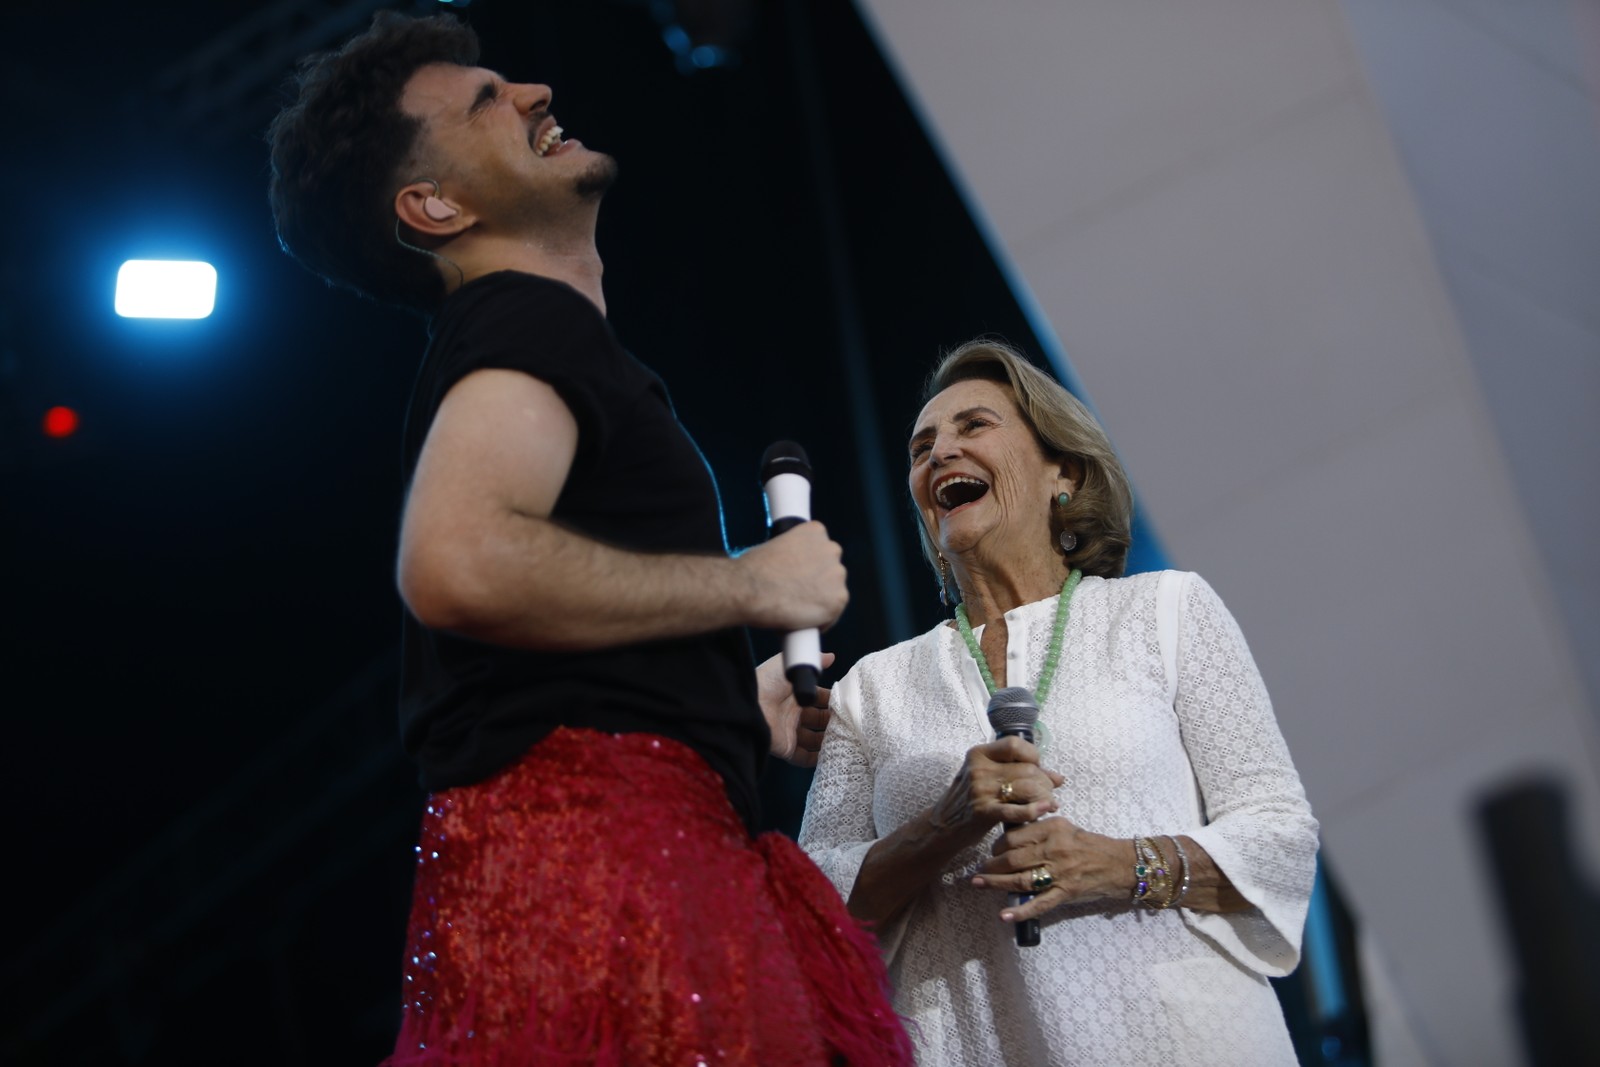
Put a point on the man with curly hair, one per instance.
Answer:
(577, 686)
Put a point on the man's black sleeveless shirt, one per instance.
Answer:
(469, 709)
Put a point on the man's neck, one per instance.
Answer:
(575, 262)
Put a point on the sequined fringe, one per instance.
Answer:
(601, 903)
(839, 958)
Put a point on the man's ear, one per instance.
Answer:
(420, 207)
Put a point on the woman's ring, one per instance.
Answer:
(1007, 792)
(1042, 879)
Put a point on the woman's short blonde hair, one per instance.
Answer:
(1101, 511)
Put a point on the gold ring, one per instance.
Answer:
(1006, 792)
(1042, 879)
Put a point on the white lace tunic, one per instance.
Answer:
(1160, 723)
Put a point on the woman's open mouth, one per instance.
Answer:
(958, 490)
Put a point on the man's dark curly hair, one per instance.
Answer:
(337, 151)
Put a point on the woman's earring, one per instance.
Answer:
(944, 581)
(1066, 538)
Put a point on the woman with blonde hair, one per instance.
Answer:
(1156, 830)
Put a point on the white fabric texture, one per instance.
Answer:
(1143, 753)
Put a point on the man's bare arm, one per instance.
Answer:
(480, 557)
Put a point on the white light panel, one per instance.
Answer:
(166, 289)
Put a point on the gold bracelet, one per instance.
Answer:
(1152, 875)
(1183, 860)
(1143, 870)
(1164, 873)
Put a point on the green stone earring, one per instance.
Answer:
(1066, 539)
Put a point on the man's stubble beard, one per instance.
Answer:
(556, 208)
(597, 178)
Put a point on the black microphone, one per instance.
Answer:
(786, 485)
(1012, 713)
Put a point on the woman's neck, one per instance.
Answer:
(990, 591)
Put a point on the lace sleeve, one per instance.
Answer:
(1259, 829)
(837, 830)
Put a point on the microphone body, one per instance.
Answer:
(786, 487)
(1012, 713)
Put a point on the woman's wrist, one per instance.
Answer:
(951, 822)
(1119, 857)
(1127, 882)
(949, 826)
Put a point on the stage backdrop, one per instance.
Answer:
(1333, 295)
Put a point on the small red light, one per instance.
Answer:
(60, 422)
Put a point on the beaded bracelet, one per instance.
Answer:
(1183, 859)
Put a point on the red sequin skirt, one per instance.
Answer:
(600, 902)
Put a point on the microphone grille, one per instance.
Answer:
(1012, 708)
(784, 457)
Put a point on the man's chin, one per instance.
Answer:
(599, 176)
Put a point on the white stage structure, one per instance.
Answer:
(1330, 273)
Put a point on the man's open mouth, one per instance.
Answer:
(550, 139)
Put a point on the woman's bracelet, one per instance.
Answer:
(1152, 877)
(1164, 880)
(1141, 873)
(1183, 860)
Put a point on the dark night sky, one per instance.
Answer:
(213, 848)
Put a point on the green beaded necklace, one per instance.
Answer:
(1052, 656)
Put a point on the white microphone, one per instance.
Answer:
(786, 485)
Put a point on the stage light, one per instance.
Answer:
(702, 36)
(166, 289)
(60, 422)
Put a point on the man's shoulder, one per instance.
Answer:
(517, 321)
